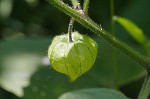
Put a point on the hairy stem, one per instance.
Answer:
(70, 28)
(145, 91)
(86, 6)
(76, 6)
(91, 25)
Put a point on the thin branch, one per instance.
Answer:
(112, 15)
(145, 91)
(114, 54)
(70, 28)
(86, 6)
(76, 6)
(91, 25)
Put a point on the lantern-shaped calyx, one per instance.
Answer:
(72, 58)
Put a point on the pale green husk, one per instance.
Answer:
(72, 58)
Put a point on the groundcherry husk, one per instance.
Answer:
(72, 58)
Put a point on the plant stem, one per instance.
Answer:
(70, 27)
(91, 25)
(145, 91)
(76, 6)
(112, 15)
(86, 6)
(114, 54)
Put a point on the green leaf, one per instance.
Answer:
(135, 32)
(19, 60)
(131, 28)
(16, 72)
(94, 93)
(49, 84)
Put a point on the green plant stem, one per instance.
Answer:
(112, 15)
(70, 28)
(91, 25)
(86, 6)
(71, 23)
(145, 91)
(114, 54)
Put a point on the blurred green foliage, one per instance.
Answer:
(26, 30)
(93, 93)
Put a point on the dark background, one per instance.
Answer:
(26, 30)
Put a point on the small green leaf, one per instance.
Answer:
(94, 93)
(132, 29)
